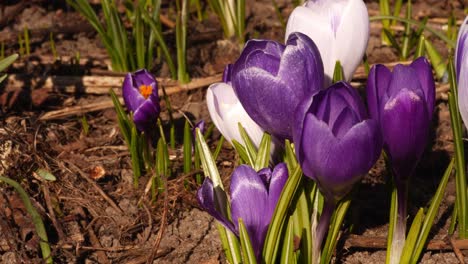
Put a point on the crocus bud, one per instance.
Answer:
(140, 94)
(336, 144)
(254, 196)
(403, 102)
(461, 64)
(339, 28)
(271, 79)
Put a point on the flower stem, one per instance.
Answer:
(399, 233)
(322, 227)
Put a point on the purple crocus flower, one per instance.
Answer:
(403, 102)
(254, 196)
(271, 79)
(461, 64)
(336, 144)
(140, 93)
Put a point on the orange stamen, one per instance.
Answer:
(146, 90)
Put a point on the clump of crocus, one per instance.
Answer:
(403, 102)
(336, 144)
(227, 112)
(461, 66)
(140, 94)
(270, 80)
(254, 196)
(339, 28)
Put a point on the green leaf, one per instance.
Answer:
(272, 242)
(431, 214)
(219, 146)
(187, 147)
(405, 48)
(246, 246)
(7, 61)
(420, 48)
(334, 229)
(412, 237)
(460, 176)
(392, 40)
(338, 74)
(36, 219)
(122, 118)
(263, 155)
(249, 145)
(46, 175)
(436, 59)
(242, 152)
(290, 157)
(135, 157)
(393, 221)
(287, 252)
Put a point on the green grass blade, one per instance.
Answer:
(139, 39)
(412, 237)
(246, 246)
(405, 47)
(7, 61)
(338, 74)
(287, 252)
(242, 152)
(263, 155)
(36, 219)
(135, 156)
(420, 48)
(122, 118)
(436, 59)
(187, 147)
(249, 145)
(460, 177)
(162, 43)
(272, 242)
(431, 214)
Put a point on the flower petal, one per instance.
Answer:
(462, 45)
(249, 201)
(143, 77)
(405, 127)
(317, 27)
(352, 33)
(131, 95)
(206, 199)
(146, 115)
(423, 70)
(337, 164)
(279, 176)
(226, 112)
(377, 84)
(463, 87)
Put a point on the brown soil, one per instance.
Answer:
(106, 220)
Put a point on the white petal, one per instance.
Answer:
(226, 112)
(352, 37)
(339, 28)
(463, 87)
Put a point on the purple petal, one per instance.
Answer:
(405, 127)
(423, 70)
(146, 115)
(266, 46)
(377, 84)
(227, 73)
(277, 182)
(143, 77)
(206, 199)
(271, 100)
(404, 77)
(249, 201)
(461, 46)
(131, 95)
(463, 87)
(337, 164)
